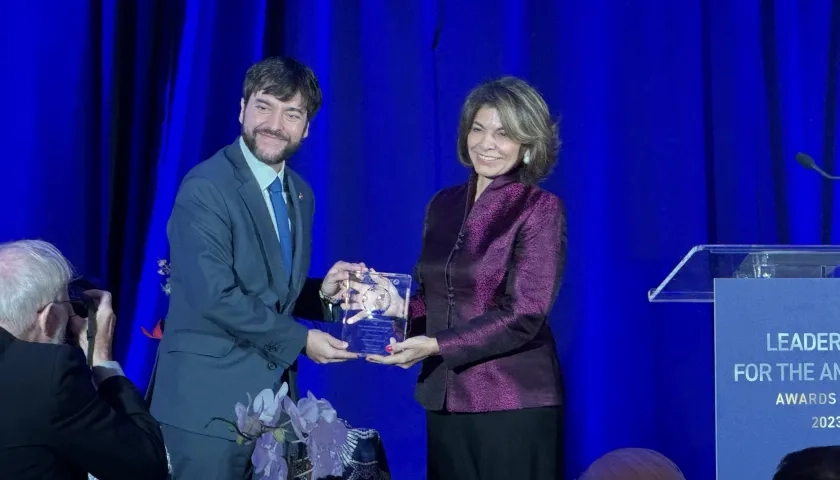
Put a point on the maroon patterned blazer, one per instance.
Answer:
(488, 275)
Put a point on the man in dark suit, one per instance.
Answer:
(60, 418)
(240, 238)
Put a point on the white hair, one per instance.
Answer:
(33, 274)
(633, 464)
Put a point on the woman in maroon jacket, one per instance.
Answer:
(491, 265)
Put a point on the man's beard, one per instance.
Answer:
(281, 156)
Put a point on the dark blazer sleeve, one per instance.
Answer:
(310, 306)
(200, 231)
(109, 433)
(534, 278)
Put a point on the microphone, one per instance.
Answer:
(808, 162)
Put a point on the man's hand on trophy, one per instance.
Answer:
(337, 277)
(321, 347)
(377, 296)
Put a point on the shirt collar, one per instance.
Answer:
(264, 174)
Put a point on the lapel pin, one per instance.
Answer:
(300, 196)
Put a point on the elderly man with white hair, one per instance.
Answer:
(61, 418)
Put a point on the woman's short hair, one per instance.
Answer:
(526, 118)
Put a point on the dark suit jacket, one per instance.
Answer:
(55, 425)
(230, 329)
(489, 274)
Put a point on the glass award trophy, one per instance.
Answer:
(375, 310)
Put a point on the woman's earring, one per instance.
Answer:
(527, 158)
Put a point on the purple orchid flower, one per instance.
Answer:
(245, 422)
(303, 417)
(267, 405)
(268, 458)
(264, 410)
(314, 421)
(325, 408)
(324, 447)
(308, 411)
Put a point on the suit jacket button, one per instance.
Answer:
(272, 366)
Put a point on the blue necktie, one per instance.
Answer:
(281, 214)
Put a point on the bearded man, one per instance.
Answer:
(240, 238)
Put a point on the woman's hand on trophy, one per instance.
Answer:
(406, 354)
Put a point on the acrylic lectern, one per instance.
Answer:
(777, 348)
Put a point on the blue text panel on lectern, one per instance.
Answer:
(777, 371)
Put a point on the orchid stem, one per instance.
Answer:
(303, 474)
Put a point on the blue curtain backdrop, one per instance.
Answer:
(680, 121)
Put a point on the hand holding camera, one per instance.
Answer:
(98, 319)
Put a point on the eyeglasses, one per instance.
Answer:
(72, 311)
